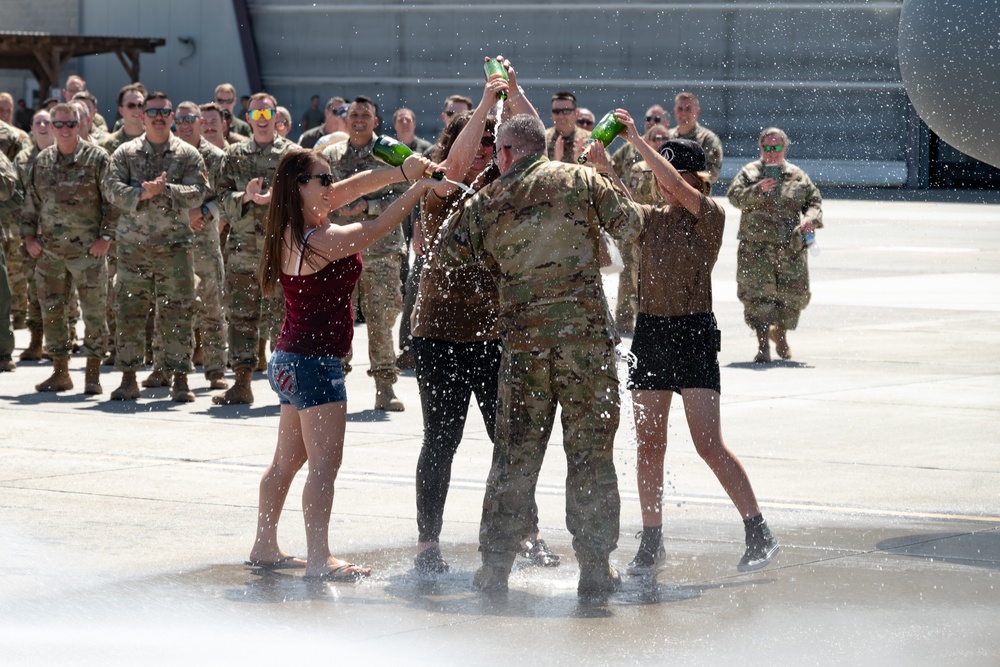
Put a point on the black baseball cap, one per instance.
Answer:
(684, 155)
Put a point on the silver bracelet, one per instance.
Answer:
(520, 94)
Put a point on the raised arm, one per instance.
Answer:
(663, 171)
(350, 189)
(518, 102)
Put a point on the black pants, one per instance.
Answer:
(448, 374)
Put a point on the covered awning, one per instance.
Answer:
(45, 55)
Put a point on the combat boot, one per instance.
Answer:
(179, 392)
(7, 365)
(217, 379)
(158, 378)
(780, 337)
(261, 356)
(763, 346)
(129, 389)
(60, 379)
(385, 397)
(34, 350)
(240, 392)
(598, 580)
(92, 377)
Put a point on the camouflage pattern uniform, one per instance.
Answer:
(709, 141)
(9, 186)
(242, 163)
(12, 141)
(536, 229)
(155, 262)
(25, 159)
(67, 212)
(623, 159)
(209, 315)
(379, 288)
(772, 270)
(568, 143)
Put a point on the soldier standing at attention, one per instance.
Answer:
(537, 229)
(155, 180)
(66, 226)
(379, 287)
(8, 187)
(244, 193)
(686, 112)
(42, 137)
(564, 141)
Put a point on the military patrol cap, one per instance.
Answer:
(684, 155)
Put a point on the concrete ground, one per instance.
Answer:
(874, 453)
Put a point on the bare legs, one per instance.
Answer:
(317, 435)
(701, 407)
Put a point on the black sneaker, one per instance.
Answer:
(647, 561)
(539, 554)
(429, 561)
(761, 549)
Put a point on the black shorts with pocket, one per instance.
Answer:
(675, 353)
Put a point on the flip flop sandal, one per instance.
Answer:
(286, 563)
(345, 574)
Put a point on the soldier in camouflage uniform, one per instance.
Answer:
(686, 112)
(155, 180)
(642, 185)
(12, 142)
(564, 141)
(65, 225)
(536, 229)
(772, 270)
(42, 137)
(243, 195)
(130, 101)
(379, 288)
(9, 186)
(211, 332)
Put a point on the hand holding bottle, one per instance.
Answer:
(493, 89)
(416, 166)
(630, 133)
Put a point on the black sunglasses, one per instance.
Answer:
(585, 122)
(59, 124)
(487, 141)
(564, 112)
(153, 113)
(326, 180)
(654, 119)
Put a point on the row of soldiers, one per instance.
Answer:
(130, 219)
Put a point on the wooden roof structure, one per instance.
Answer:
(45, 55)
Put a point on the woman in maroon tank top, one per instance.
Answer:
(316, 264)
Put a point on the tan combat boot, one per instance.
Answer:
(92, 377)
(34, 350)
(158, 378)
(780, 337)
(217, 379)
(385, 397)
(129, 389)
(763, 346)
(179, 392)
(60, 379)
(261, 355)
(240, 392)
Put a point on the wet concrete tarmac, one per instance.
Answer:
(873, 452)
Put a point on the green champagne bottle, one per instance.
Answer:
(494, 66)
(605, 132)
(394, 153)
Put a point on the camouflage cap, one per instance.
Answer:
(684, 155)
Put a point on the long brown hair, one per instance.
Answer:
(284, 212)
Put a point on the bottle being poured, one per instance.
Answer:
(394, 153)
(604, 132)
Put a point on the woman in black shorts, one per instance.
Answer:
(677, 342)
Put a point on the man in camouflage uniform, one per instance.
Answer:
(537, 229)
(379, 288)
(243, 190)
(772, 270)
(130, 101)
(628, 155)
(65, 225)
(225, 97)
(9, 186)
(686, 112)
(155, 180)
(564, 141)
(12, 142)
(76, 85)
(42, 137)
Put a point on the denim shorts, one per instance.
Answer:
(305, 382)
